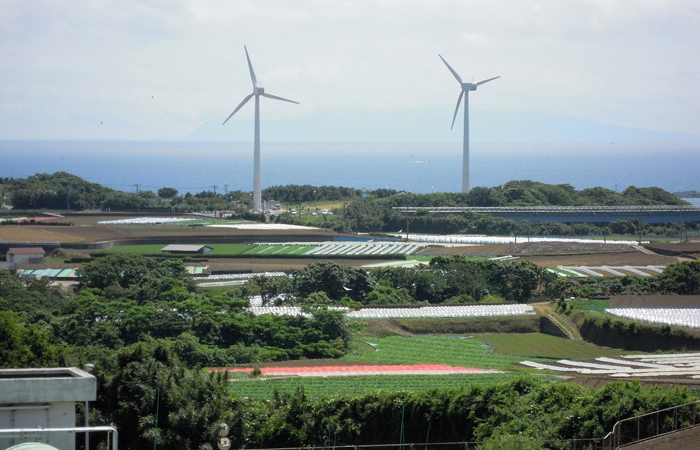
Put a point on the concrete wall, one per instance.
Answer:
(39, 415)
(46, 398)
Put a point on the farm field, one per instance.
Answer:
(465, 351)
(500, 356)
(545, 346)
(455, 351)
(315, 387)
(86, 229)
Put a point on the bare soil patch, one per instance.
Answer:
(86, 229)
(552, 254)
(655, 301)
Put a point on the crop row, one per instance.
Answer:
(358, 385)
(458, 351)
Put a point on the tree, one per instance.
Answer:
(335, 280)
(153, 398)
(23, 346)
(269, 288)
(128, 271)
(167, 192)
(681, 278)
(334, 326)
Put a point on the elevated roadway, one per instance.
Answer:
(599, 214)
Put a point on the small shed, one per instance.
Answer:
(187, 249)
(26, 255)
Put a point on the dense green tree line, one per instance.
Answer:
(520, 410)
(297, 194)
(681, 278)
(62, 190)
(57, 188)
(58, 191)
(126, 299)
(374, 213)
(182, 409)
(148, 330)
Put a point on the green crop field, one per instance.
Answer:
(590, 305)
(564, 272)
(537, 345)
(455, 351)
(315, 387)
(279, 249)
(488, 351)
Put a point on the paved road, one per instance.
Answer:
(683, 440)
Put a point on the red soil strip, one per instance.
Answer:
(329, 371)
(35, 219)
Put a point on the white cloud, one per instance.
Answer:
(161, 69)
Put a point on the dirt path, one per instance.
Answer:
(547, 310)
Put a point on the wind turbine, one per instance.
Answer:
(466, 87)
(257, 92)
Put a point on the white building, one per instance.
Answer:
(42, 398)
(26, 255)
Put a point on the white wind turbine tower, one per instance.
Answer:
(466, 87)
(257, 92)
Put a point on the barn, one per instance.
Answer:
(187, 249)
(26, 255)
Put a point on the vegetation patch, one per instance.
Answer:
(606, 330)
(463, 351)
(319, 387)
(500, 324)
(538, 345)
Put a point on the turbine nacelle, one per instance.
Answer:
(258, 90)
(469, 86)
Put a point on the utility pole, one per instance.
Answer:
(138, 200)
(214, 187)
(407, 213)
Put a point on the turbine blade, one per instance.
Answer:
(278, 98)
(459, 100)
(486, 81)
(451, 70)
(250, 67)
(240, 105)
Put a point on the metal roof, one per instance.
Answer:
(26, 250)
(183, 248)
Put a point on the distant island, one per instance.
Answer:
(687, 194)
(348, 210)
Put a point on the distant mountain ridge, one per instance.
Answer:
(431, 125)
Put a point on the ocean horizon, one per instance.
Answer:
(414, 167)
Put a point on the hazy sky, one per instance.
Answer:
(361, 70)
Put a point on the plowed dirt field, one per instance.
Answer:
(86, 229)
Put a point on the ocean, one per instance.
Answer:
(415, 167)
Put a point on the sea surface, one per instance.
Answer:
(415, 167)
